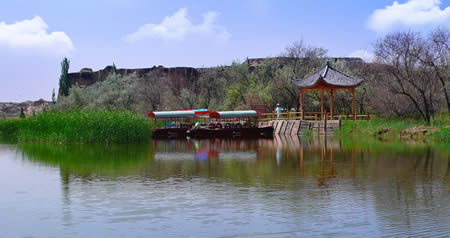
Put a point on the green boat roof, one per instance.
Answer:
(230, 114)
(172, 114)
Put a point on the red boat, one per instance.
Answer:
(243, 132)
(232, 124)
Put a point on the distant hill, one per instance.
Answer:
(11, 109)
(179, 75)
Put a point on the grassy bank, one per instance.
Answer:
(439, 130)
(79, 126)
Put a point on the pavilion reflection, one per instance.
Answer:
(288, 152)
(282, 160)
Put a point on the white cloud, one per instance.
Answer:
(411, 13)
(178, 26)
(363, 54)
(32, 34)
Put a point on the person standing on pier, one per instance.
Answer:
(278, 111)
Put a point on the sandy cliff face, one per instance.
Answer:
(8, 109)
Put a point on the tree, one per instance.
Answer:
(435, 55)
(64, 80)
(113, 68)
(304, 56)
(238, 82)
(188, 98)
(406, 73)
(304, 60)
(211, 85)
(53, 97)
(22, 114)
(151, 90)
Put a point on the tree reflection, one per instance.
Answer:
(392, 182)
(282, 160)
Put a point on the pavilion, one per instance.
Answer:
(329, 79)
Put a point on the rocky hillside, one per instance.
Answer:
(180, 76)
(11, 109)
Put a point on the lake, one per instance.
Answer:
(285, 187)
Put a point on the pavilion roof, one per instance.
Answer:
(327, 76)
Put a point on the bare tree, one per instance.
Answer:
(150, 90)
(435, 57)
(304, 55)
(305, 59)
(407, 76)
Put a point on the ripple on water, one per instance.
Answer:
(137, 193)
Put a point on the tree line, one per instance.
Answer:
(409, 78)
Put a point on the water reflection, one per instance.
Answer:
(245, 161)
(287, 186)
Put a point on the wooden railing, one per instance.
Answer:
(316, 116)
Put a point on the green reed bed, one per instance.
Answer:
(9, 128)
(80, 126)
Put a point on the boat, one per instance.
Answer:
(176, 123)
(232, 124)
(227, 124)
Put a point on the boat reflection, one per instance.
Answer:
(282, 150)
(206, 149)
(282, 160)
(301, 179)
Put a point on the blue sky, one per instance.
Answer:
(36, 35)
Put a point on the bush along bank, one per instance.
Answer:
(439, 130)
(79, 126)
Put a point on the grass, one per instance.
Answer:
(79, 126)
(439, 130)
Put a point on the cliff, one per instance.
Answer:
(179, 76)
(12, 109)
(87, 77)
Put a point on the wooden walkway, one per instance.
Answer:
(299, 127)
(316, 116)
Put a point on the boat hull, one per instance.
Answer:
(252, 132)
(170, 133)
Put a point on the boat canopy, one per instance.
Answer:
(172, 114)
(231, 114)
(198, 111)
(201, 111)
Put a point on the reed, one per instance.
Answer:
(80, 126)
(9, 128)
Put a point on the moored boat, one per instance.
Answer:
(176, 123)
(232, 124)
(242, 132)
(227, 124)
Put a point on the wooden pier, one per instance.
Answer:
(299, 127)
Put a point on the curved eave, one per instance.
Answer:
(321, 83)
(327, 77)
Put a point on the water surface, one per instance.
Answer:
(286, 187)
